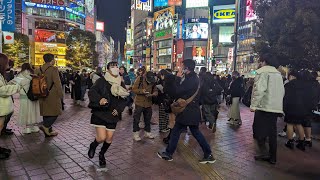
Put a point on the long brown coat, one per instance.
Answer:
(51, 105)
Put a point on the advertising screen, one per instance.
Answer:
(224, 14)
(199, 54)
(160, 3)
(250, 14)
(49, 36)
(90, 24)
(90, 7)
(225, 34)
(174, 2)
(100, 26)
(196, 31)
(164, 19)
(197, 3)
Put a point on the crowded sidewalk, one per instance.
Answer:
(65, 156)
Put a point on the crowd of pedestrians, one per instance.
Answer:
(185, 100)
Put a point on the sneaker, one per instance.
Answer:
(35, 129)
(149, 135)
(136, 136)
(231, 122)
(282, 134)
(165, 156)
(26, 131)
(208, 159)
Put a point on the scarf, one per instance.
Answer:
(116, 88)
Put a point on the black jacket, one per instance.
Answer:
(298, 100)
(102, 89)
(210, 90)
(191, 115)
(236, 88)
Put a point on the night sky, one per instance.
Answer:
(115, 14)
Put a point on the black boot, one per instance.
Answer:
(167, 139)
(301, 145)
(92, 149)
(290, 144)
(102, 159)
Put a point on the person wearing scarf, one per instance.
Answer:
(107, 101)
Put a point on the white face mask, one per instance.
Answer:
(115, 71)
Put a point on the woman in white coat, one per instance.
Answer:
(29, 114)
(6, 103)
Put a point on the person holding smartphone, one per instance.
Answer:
(144, 88)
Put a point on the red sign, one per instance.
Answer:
(100, 26)
(174, 2)
(53, 2)
(89, 24)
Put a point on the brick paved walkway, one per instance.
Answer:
(65, 156)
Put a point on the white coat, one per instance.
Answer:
(6, 91)
(29, 112)
(268, 90)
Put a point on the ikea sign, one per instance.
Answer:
(224, 14)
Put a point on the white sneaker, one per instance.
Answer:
(35, 129)
(148, 135)
(231, 122)
(136, 136)
(283, 134)
(26, 131)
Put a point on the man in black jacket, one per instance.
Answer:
(190, 117)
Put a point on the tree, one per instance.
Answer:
(81, 49)
(289, 30)
(19, 50)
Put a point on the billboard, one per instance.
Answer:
(199, 54)
(144, 5)
(7, 9)
(224, 14)
(129, 36)
(250, 14)
(174, 2)
(49, 36)
(90, 7)
(197, 3)
(100, 26)
(90, 24)
(225, 34)
(52, 2)
(196, 31)
(160, 3)
(163, 19)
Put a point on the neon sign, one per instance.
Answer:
(53, 7)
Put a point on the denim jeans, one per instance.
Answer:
(49, 120)
(83, 92)
(175, 135)
(147, 115)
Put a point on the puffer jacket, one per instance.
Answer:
(268, 90)
(6, 91)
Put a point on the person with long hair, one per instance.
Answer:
(235, 91)
(6, 103)
(29, 112)
(107, 101)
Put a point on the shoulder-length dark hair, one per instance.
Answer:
(27, 66)
(3, 64)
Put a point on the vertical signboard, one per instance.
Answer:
(250, 14)
(7, 11)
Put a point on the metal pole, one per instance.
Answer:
(236, 37)
(1, 35)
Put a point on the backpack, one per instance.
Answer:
(29, 94)
(39, 85)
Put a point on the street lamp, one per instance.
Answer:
(1, 19)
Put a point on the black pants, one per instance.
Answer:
(6, 121)
(147, 115)
(49, 120)
(265, 126)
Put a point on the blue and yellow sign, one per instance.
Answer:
(224, 14)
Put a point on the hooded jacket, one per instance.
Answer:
(268, 90)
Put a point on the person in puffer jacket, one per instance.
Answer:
(6, 103)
